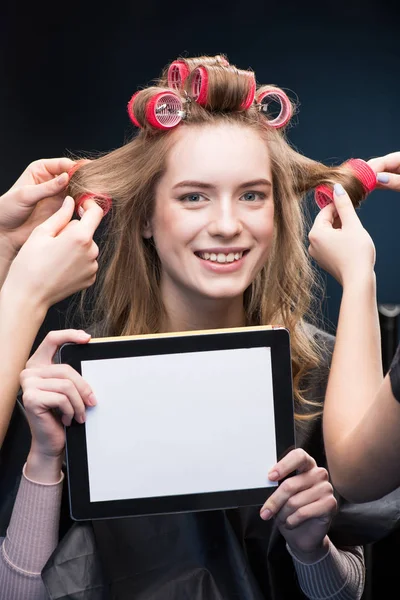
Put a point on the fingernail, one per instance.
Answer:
(383, 178)
(92, 399)
(80, 211)
(273, 475)
(83, 418)
(62, 179)
(265, 514)
(339, 189)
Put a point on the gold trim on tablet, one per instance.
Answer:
(186, 333)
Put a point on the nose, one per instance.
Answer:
(225, 220)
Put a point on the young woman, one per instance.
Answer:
(362, 410)
(206, 232)
(45, 256)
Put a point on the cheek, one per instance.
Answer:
(264, 227)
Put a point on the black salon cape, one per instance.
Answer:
(213, 555)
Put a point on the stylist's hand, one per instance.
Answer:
(387, 169)
(303, 505)
(59, 258)
(36, 195)
(339, 242)
(53, 395)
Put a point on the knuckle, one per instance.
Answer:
(303, 513)
(288, 486)
(292, 503)
(332, 504)
(29, 397)
(321, 473)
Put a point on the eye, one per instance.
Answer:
(253, 196)
(192, 198)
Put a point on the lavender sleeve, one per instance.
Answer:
(339, 575)
(31, 537)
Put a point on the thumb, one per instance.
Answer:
(343, 204)
(46, 351)
(60, 219)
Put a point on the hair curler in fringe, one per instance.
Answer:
(77, 166)
(178, 72)
(222, 88)
(162, 109)
(275, 95)
(367, 176)
(175, 75)
(102, 200)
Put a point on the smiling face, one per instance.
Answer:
(213, 219)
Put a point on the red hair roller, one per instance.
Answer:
(130, 109)
(164, 110)
(286, 109)
(367, 176)
(102, 200)
(200, 85)
(177, 73)
(77, 166)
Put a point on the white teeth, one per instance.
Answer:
(221, 257)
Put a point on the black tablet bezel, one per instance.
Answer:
(278, 339)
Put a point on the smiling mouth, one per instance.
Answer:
(221, 257)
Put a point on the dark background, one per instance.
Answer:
(67, 73)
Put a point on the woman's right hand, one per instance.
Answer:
(53, 395)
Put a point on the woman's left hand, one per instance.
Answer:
(387, 169)
(303, 505)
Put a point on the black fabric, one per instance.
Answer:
(394, 374)
(216, 555)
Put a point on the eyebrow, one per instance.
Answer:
(208, 186)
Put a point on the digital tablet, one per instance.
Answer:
(184, 422)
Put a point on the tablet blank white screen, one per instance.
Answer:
(180, 423)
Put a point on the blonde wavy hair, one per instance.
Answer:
(128, 299)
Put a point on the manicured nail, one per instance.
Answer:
(339, 189)
(81, 211)
(383, 177)
(92, 400)
(265, 514)
(83, 418)
(62, 179)
(273, 475)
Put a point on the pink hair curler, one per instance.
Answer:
(367, 176)
(77, 166)
(131, 111)
(102, 200)
(165, 110)
(286, 109)
(200, 85)
(178, 72)
(252, 92)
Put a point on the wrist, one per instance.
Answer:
(311, 556)
(14, 294)
(42, 468)
(362, 280)
(7, 250)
